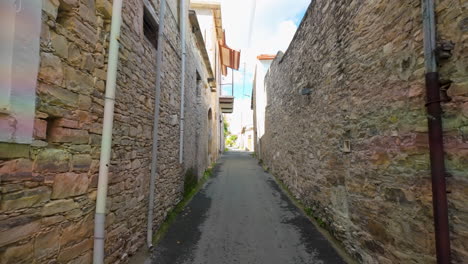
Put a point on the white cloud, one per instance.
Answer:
(273, 27)
(279, 40)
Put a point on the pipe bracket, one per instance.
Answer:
(433, 102)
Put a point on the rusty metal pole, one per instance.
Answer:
(436, 144)
(436, 148)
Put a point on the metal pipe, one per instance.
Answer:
(436, 146)
(106, 143)
(157, 102)
(182, 79)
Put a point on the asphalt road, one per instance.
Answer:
(242, 216)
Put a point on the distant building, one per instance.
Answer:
(259, 100)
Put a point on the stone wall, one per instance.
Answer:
(198, 100)
(364, 66)
(48, 188)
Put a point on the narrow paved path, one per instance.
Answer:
(241, 216)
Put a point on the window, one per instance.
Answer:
(19, 64)
(199, 84)
(150, 26)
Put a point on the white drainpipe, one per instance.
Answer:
(100, 216)
(154, 159)
(182, 79)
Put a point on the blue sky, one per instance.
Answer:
(273, 27)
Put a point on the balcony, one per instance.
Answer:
(226, 103)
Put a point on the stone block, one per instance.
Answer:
(51, 69)
(80, 148)
(73, 214)
(96, 128)
(87, 63)
(39, 144)
(101, 74)
(105, 8)
(67, 135)
(81, 162)
(60, 44)
(458, 89)
(463, 26)
(69, 185)
(52, 160)
(84, 259)
(101, 86)
(99, 60)
(86, 33)
(47, 244)
(25, 198)
(52, 110)
(50, 7)
(84, 117)
(136, 164)
(74, 54)
(78, 81)
(8, 188)
(40, 129)
(58, 206)
(52, 220)
(18, 233)
(57, 96)
(16, 170)
(77, 231)
(13, 151)
(68, 4)
(63, 122)
(95, 140)
(84, 102)
(20, 254)
(395, 195)
(133, 132)
(16, 221)
(87, 12)
(45, 33)
(74, 251)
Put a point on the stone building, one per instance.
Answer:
(346, 125)
(51, 112)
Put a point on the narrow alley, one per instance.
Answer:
(242, 216)
(233, 131)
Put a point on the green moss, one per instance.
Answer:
(324, 228)
(393, 119)
(191, 188)
(190, 181)
(13, 150)
(307, 210)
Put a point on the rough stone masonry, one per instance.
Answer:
(48, 188)
(363, 63)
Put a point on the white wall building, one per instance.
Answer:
(259, 100)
